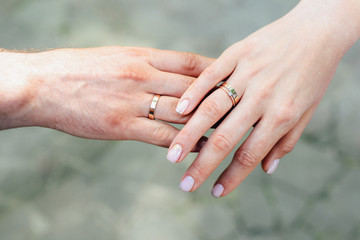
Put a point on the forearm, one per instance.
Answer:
(16, 90)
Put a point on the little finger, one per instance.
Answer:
(156, 133)
(247, 157)
(286, 144)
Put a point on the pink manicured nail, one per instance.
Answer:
(182, 106)
(273, 166)
(187, 184)
(174, 154)
(217, 190)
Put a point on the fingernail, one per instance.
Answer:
(174, 154)
(187, 184)
(182, 106)
(217, 190)
(273, 166)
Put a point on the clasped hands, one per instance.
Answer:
(275, 79)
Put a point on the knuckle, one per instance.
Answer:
(287, 148)
(210, 73)
(135, 52)
(162, 134)
(198, 171)
(284, 116)
(244, 47)
(222, 142)
(190, 61)
(134, 72)
(188, 82)
(247, 46)
(210, 109)
(173, 106)
(262, 95)
(114, 123)
(186, 134)
(246, 158)
(115, 120)
(254, 71)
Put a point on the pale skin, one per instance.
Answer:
(97, 93)
(281, 73)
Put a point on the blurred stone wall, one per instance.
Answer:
(54, 186)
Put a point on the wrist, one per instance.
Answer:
(336, 21)
(17, 90)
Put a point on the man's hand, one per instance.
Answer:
(99, 93)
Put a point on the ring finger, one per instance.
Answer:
(213, 108)
(220, 144)
(164, 109)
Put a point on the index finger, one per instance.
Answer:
(212, 75)
(185, 63)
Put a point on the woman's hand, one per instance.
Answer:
(101, 93)
(281, 73)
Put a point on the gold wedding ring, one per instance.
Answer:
(153, 104)
(230, 92)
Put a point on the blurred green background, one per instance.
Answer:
(54, 186)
